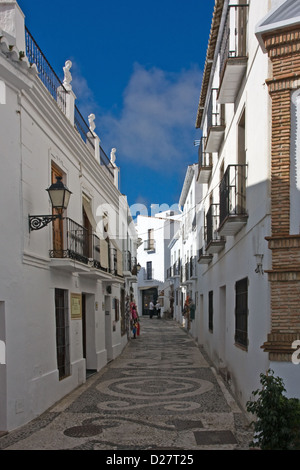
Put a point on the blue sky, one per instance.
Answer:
(137, 65)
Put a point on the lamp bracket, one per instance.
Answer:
(36, 222)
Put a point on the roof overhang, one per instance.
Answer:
(187, 183)
(210, 54)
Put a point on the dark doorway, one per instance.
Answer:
(147, 296)
(85, 336)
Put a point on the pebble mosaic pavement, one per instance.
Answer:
(161, 393)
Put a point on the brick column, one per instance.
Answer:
(284, 52)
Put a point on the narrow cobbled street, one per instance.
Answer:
(160, 394)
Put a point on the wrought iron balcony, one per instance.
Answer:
(177, 268)
(129, 264)
(204, 163)
(46, 72)
(113, 260)
(85, 133)
(204, 258)
(233, 215)
(187, 272)
(170, 272)
(149, 245)
(72, 241)
(127, 261)
(214, 242)
(174, 270)
(233, 53)
(134, 266)
(215, 123)
(192, 268)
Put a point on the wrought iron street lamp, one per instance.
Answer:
(59, 196)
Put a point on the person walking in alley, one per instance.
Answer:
(134, 329)
(157, 306)
(151, 308)
(134, 319)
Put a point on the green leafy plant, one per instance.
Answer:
(277, 426)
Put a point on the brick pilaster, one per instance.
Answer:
(284, 52)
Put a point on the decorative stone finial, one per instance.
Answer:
(113, 156)
(91, 122)
(68, 76)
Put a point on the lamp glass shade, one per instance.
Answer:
(59, 194)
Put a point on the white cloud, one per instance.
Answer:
(85, 99)
(157, 122)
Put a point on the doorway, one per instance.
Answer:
(147, 296)
(88, 343)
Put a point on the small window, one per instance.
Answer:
(149, 273)
(241, 312)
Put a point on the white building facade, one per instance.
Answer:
(153, 255)
(183, 273)
(63, 282)
(234, 171)
(234, 115)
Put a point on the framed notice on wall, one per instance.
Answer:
(76, 307)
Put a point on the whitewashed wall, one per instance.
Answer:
(34, 132)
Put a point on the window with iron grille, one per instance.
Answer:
(62, 333)
(210, 310)
(241, 312)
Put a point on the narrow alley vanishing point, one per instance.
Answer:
(161, 393)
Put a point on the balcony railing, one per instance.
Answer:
(82, 127)
(149, 245)
(113, 260)
(176, 268)
(73, 242)
(203, 257)
(185, 273)
(214, 112)
(134, 266)
(214, 242)
(234, 40)
(76, 242)
(96, 252)
(233, 199)
(204, 162)
(233, 52)
(57, 90)
(129, 263)
(215, 123)
(193, 268)
(46, 72)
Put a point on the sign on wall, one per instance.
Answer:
(76, 307)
